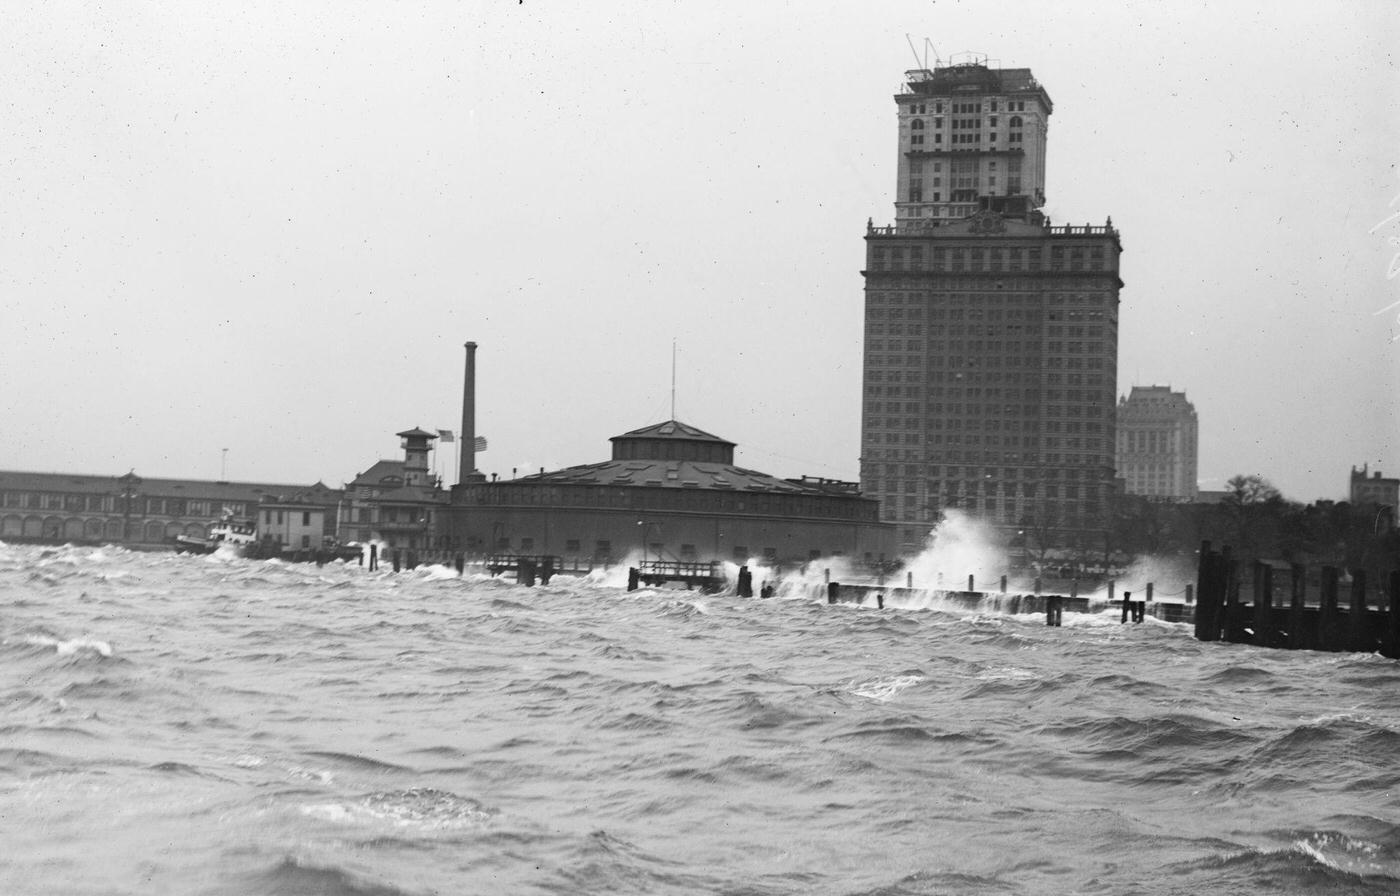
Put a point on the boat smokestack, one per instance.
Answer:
(468, 445)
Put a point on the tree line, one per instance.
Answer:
(1257, 522)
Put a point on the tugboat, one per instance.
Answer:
(236, 534)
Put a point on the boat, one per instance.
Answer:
(227, 532)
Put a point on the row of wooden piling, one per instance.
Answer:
(530, 569)
(1223, 615)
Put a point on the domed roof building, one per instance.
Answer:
(670, 491)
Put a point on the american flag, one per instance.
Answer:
(480, 443)
(446, 435)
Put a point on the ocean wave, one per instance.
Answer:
(421, 809)
(295, 877)
(898, 732)
(1172, 736)
(1319, 862)
(362, 763)
(399, 734)
(884, 689)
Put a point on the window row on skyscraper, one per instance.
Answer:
(973, 440)
(992, 397)
(977, 299)
(1016, 340)
(912, 258)
(1042, 462)
(991, 369)
(992, 105)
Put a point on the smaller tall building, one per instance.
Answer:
(397, 502)
(1157, 444)
(1369, 487)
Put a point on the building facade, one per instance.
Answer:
(1367, 487)
(991, 336)
(292, 525)
(134, 510)
(397, 502)
(971, 138)
(670, 492)
(1157, 444)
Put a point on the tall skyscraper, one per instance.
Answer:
(1157, 444)
(991, 336)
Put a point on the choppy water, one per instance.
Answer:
(212, 726)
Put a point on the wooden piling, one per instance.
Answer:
(1392, 645)
(908, 580)
(1232, 623)
(1127, 606)
(1149, 593)
(1263, 604)
(1207, 598)
(634, 578)
(1054, 611)
(1295, 637)
(1327, 611)
(1003, 584)
(745, 587)
(525, 572)
(833, 592)
(1359, 630)
(970, 585)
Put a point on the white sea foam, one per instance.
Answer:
(436, 572)
(885, 689)
(72, 646)
(422, 810)
(1007, 673)
(321, 776)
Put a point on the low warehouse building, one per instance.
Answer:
(670, 492)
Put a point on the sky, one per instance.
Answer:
(249, 240)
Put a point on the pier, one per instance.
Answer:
(1313, 612)
(529, 567)
(1053, 606)
(707, 576)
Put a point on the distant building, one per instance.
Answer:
(1373, 488)
(133, 510)
(1157, 444)
(991, 337)
(670, 492)
(397, 502)
(293, 525)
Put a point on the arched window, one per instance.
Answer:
(1015, 121)
(918, 124)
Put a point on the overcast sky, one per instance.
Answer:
(269, 227)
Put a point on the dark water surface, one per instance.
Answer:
(214, 726)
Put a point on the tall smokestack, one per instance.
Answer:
(468, 467)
